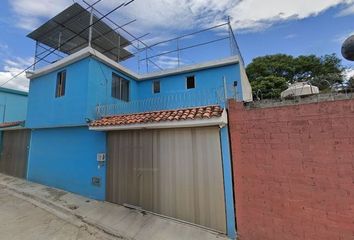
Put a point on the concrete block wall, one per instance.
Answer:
(294, 171)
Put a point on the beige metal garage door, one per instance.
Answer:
(173, 172)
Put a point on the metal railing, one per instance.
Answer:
(181, 50)
(186, 49)
(189, 99)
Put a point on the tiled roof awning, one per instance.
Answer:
(12, 124)
(197, 116)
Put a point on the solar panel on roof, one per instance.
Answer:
(73, 20)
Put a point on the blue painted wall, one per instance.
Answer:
(13, 105)
(209, 87)
(88, 83)
(66, 158)
(99, 87)
(207, 79)
(228, 183)
(45, 110)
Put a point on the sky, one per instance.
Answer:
(296, 27)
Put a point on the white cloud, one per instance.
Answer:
(290, 36)
(349, 10)
(164, 18)
(167, 62)
(3, 47)
(4, 50)
(348, 73)
(30, 12)
(11, 68)
(258, 14)
(342, 37)
(171, 15)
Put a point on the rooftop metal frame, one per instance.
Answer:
(76, 28)
(148, 58)
(67, 24)
(64, 35)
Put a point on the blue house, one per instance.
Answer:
(14, 139)
(13, 105)
(155, 141)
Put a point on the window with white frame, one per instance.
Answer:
(120, 88)
(60, 84)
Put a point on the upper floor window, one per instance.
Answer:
(60, 85)
(156, 86)
(190, 82)
(120, 88)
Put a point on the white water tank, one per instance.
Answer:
(300, 89)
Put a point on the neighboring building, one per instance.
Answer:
(14, 139)
(158, 141)
(13, 105)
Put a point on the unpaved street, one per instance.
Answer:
(20, 220)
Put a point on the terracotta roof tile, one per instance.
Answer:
(160, 116)
(11, 124)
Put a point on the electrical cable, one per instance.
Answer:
(36, 61)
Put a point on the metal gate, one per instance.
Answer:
(173, 172)
(14, 152)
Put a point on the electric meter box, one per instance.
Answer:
(101, 157)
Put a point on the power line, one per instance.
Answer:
(78, 16)
(188, 47)
(186, 35)
(103, 35)
(71, 18)
(131, 35)
(36, 61)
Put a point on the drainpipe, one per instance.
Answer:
(225, 91)
(3, 117)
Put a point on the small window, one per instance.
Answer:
(190, 82)
(156, 86)
(60, 87)
(120, 88)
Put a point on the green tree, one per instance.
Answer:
(350, 84)
(279, 65)
(330, 74)
(269, 87)
(324, 72)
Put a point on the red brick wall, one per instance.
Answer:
(294, 171)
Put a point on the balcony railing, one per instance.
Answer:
(217, 96)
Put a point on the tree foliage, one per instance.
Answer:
(350, 84)
(273, 73)
(269, 87)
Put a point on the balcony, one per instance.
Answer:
(216, 96)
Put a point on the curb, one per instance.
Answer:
(65, 214)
